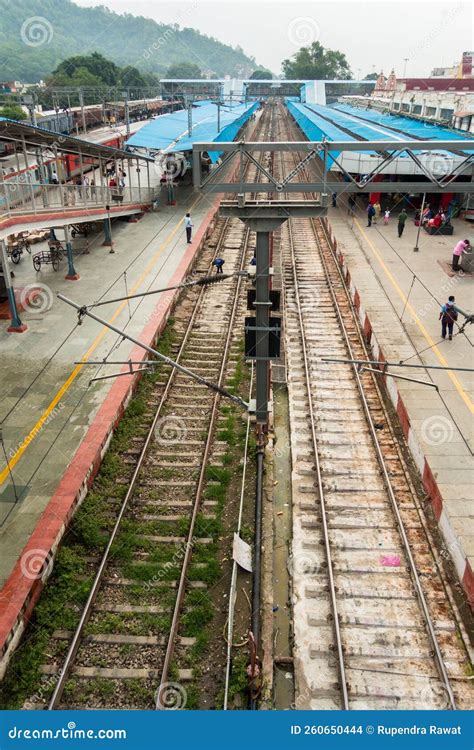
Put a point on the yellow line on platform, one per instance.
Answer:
(427, 336)
(66, 385)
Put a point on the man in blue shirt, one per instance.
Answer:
(218, 263)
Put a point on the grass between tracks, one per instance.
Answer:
(67, 588)
(69, 584)
(205, 611)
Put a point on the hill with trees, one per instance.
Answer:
(37, 35)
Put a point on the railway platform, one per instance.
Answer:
(55, 426)
(398, 293)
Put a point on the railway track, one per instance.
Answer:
(163, 521)
(373, 625)
(139, 631)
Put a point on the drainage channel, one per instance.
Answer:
(283, 677)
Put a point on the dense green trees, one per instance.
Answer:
(317, 62)
(91, 71)
(96, 70)
(184, 70)
(261, 74)
(36, 36)
(13, 112)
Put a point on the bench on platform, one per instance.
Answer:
(446, 229)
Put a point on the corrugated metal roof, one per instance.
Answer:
(346, 123)
(169, 133)
(15, 130)
(410, 128)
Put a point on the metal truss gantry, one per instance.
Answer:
(264, 216)
(328, 152)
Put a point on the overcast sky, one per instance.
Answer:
(373, 35)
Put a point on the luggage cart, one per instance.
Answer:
(16, 248)
(52, 256)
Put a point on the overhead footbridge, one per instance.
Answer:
(53, 194)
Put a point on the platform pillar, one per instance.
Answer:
(262, 317)
(170, 191)
(108, 233)
(16, 325)
(71, 275)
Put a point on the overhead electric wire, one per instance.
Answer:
(420, 281)
(56, 351)
(418, 353)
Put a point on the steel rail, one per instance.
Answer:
(87, 610)
(82, 311)
(381, 460)
(386, 476)
(233, 581)
(159, 704)
(327, 545)
(421, 517)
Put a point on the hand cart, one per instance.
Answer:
(16, 248)
(52, 256)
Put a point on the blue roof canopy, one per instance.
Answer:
(169, 133)
(425, 131)
(346, 123)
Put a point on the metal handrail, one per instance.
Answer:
(33, 197)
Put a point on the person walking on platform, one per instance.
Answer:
(188, 224)
(386, 217)
(370, 214)
(448, 316)
(351, 205)
(461, 247)
(85, 185)
(378, 212)
(402, 217)
(334, 200)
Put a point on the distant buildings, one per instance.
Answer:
(9, 87)
(446, 97)
(458, 70)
